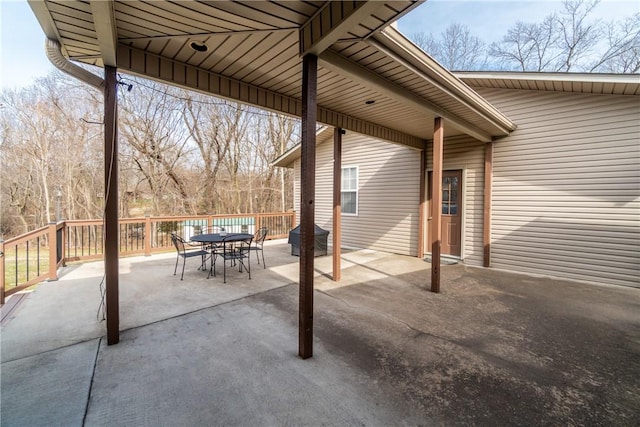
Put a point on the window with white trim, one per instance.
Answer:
(349, 190)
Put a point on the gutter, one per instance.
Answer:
(286, 159)
(54, 53)
(405, 52)
(548, 77)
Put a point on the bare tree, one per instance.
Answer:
(578, 36)
(151, 124)
(571, 40)
(456, 49)
(282, 133)
(180, 153)
(208, 123)
(623, 52)
(528, 47)
(269, 136)
(46, 151)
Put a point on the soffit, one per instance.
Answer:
(253, 56)
(600, 84)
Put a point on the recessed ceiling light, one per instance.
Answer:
(369, 102)
(199, 46)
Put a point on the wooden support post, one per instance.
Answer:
(337, 201)
(111, 255)
(307, 200)
(53, 251)
(422, 211)
(147, 235)
(62, 245)
(488, 183)
(436, 197)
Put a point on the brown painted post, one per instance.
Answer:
(337, 201)
(307, 208)
(422, 220)
(436, 200)
(2, 282)
(488, 184)
(111, 254)
(62, 246)
(147, 235)
(53, 252)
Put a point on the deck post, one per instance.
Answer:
(147, 235)
(63, 249)
(436, 198)
(111, 255)
(53, 251)
(488, 183)
(307, 200)
(337, 201)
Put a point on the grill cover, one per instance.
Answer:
(320, 246)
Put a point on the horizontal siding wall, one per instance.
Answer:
(566, 186)
(388, 193)
(467, 154)
(296, 188)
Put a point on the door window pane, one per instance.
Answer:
(450, 195)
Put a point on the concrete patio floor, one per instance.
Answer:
(493, 348)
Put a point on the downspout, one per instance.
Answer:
(54, 53)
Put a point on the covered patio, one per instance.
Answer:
(342, 64)
(491, 348)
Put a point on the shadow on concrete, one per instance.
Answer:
(492, 348)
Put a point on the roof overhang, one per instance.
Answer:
(600, 84)
(287, 159)
(372, 80)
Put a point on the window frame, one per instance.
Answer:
(356, 190)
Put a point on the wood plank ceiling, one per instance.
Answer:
(250, 52)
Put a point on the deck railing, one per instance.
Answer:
(35, 256)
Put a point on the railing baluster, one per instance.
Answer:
(16, 265)
(75, 239)
(27, 248)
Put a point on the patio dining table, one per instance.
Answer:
(217, 238)
(224, 239)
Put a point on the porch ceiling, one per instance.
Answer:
(253, 55)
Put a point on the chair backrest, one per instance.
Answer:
(247, 242)
(178, 242)
(260, 235)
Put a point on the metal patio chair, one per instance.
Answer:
(184, 251)
(234, 252)
(258, 243)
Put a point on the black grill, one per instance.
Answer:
(320, 246)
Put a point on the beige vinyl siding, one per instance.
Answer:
(566, 186)
(388, 193)
(296, 188)
(467, 154)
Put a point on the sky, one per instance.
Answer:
(22, 41)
